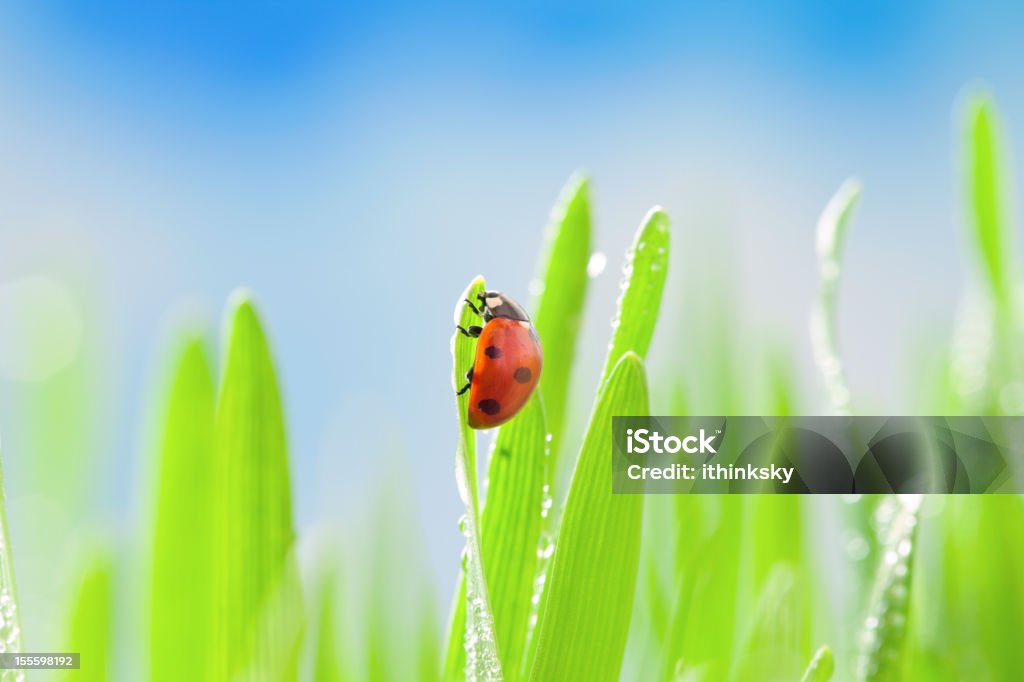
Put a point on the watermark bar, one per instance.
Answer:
(817, 455)
(11, 661)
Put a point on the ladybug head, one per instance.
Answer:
(496, 304)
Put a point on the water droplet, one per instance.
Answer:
(596, 264)
(857, 548)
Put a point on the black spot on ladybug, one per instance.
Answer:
(492, 352)
(522, 375)
(489, 406)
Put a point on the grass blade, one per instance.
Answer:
(704, 624)
(181, 614)
(453, 666)
(774, 645)
(254, 568)
(326, 666)
(885, 628)
(978, 586)
(511, 520)
(642, 284)
(90, 626)
(821, 667)
(429, 642)
(398, 618)
(985, 363)
(583, 627)
(513, 523)
(989, 229)
(481, 660)
(10, 618)
(558, 307)
(832, 228)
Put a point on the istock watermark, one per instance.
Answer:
(808, 455)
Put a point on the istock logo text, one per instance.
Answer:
(642, 441)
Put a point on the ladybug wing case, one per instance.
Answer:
(505, 372)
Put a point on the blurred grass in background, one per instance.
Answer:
(564, 582)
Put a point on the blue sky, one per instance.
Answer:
(337, 159)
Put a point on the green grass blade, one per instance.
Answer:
(774, 644)
(254, 571)
(429, 642)
(832, 227)
(583, 627)
(10, 618)
(481, 661)
(643, 282)
(990, 231)
(999, 581)
(90, 624)
(558, 307)
(513, 523)
(453, 666)
(326, 664)
(399, 619)
(704, 624)
(181, 611)
(821, 667)
(977, 586)
(884, 633)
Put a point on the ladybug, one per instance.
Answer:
(507, 363)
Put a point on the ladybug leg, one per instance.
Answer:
(472, 307)
(473, 331)
(469, 379)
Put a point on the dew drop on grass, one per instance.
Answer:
(10, 635)
(596, 264)
(857, 548)
(482, 663)
(545, 550)
(545, 501)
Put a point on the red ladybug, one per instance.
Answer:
(507, 363)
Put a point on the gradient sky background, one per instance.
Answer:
(356, 165)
